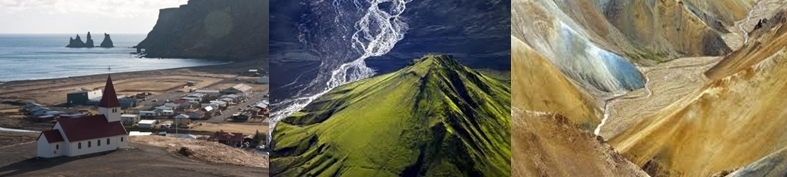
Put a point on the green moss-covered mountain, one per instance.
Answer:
(432, 118)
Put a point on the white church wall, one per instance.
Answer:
(112, 114)
(43, 147)
(94, 148)
(58, 149)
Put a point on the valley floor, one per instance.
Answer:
(667, 83)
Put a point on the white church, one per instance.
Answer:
(87, 135)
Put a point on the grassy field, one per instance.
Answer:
(434, 118)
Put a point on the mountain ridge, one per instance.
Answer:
(434, 117)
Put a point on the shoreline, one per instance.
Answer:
(121, 74)
(52, 91)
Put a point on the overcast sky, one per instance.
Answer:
(80, 16)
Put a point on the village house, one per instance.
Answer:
(219, 104)
(191, 98)
(231, 97)
(196, 114)
(129, 119)
(208, 93)
(147, 123)
(240, 89)
(232, 139)
(138, 133)
(148, 114)
(86, 135)
(167, 113)
(182, 120)
(197, 95)
(229, 101)
(82, 97)
(208, 109)
(124, 101)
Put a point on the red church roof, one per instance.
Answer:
(83, 128)
(110, 98)
(52, 136)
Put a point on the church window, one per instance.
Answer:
(57, 146)
(107, 141)
(98, 142)
(121, 139)
(89, 143)
(79, 145)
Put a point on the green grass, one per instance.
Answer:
(433, 118)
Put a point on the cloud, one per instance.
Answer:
(108, 8)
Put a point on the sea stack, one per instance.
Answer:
(107, 41)
(89, 40)
(77, 43)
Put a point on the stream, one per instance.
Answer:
(757, 7)
(622, 96)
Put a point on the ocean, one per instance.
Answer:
(44, 56)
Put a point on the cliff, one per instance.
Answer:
(211, 29)
(107, 41)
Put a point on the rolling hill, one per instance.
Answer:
(434, 117)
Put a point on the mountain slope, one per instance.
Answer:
(539, 86)
(774, 165)
(666, 28)
(543, 26)
(434, 118)
(596, 43)
(766, 40)
(719, 14)
(732, 121)
(546, 144)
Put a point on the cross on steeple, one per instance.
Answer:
(109, 69)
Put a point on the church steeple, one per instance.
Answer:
(110, 98)
(109, 105)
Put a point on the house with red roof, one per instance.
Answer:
(232, 139)
(87, 135)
